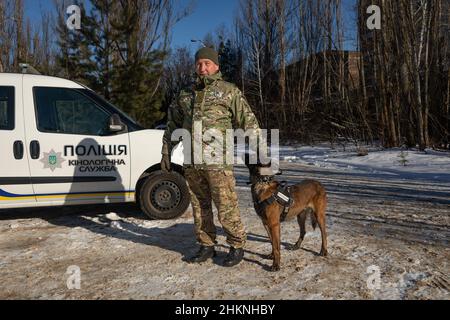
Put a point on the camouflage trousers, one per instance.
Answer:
(218, 186)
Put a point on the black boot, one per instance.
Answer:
(203, 254)
(234, 257)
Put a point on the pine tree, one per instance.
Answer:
(403, 158)
(75, 58)
(139, 69)
(119, 53)
(99, 35)
(228, 61)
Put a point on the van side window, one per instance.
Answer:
(6, 108)
(64, 110)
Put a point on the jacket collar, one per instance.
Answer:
(204, 81)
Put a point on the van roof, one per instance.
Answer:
(39, 79)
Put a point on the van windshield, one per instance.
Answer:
(132, 124)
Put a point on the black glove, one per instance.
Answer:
(165, 163)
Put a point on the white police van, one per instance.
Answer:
(61, 144)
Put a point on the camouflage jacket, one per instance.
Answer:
(215, 104)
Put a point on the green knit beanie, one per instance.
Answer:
(207, 53)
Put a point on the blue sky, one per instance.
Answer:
(206, 17)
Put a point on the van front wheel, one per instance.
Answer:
(164, 195)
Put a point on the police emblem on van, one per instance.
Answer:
(52, 160)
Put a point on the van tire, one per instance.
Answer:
(164, 196)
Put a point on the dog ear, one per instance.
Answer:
(265, 171)
(249, 158)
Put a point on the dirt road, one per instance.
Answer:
(388, 239)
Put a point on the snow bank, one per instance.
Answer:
(417, 165)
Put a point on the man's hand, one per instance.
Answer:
(165, 163)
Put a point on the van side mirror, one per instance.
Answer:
(116, 124)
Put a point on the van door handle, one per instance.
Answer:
(34, 149)
(18, 150)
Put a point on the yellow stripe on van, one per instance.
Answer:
(70, 196)
(2, 198)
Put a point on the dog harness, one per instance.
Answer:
(282, 196)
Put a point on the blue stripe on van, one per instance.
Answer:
(5, 194)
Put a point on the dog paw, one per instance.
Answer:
(294, 247)
(275, 268)
(323, 253)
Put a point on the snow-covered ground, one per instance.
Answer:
(388, 238)
(396, 162)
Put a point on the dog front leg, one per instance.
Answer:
(276, 246)
(269, 256)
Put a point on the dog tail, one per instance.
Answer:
(313, 219)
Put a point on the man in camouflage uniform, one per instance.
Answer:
(219, 105)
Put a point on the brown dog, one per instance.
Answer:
(308, 196)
